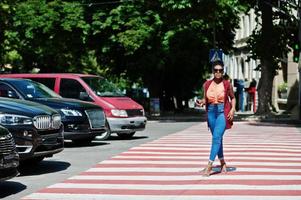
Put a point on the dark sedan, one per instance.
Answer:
(37, 129)
(82, 121)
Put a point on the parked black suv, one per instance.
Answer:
(9, 158)
(82, 121)
(37, 129)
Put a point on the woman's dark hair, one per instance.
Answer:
(217, 62)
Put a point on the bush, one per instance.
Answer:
(282, 87)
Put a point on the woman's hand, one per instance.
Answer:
(200, 102)
(231, 114)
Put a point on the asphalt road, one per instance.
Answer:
(76, 159)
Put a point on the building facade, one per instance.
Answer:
(240, 67)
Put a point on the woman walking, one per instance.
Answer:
(220, 106)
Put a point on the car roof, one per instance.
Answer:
(9, 79)
(12, 80)
(48, 75)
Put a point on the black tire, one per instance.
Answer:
(126, 135)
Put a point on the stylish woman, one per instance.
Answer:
(220, 106)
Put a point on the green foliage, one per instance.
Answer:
(175, 4)
(129, 26)
(6, 13)
(160, 44)
(277, 48)
(282, 87)
(49, 34)
(123, 82)
(91, 66)
(161, 41)
(285, 27)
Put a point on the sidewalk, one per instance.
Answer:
(188, 115)
(281, 117)
(200, 115)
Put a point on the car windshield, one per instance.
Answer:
(32, 90)
(103, 87)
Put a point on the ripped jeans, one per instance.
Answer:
(217, 125)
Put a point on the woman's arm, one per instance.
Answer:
(201, 102)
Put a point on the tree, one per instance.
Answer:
(50, 35)
(7, 55)
(270, 43)
(166, 42)
(162, 43)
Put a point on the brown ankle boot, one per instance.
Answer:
(207, 170)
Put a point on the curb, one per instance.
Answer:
(241, 117)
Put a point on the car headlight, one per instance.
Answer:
(6, 137)
(119, 113)
(143, 112)
(10, 119)
(68, 112)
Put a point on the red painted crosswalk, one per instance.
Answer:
(263, 162)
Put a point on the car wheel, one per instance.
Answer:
(106, 134)
(126, 135)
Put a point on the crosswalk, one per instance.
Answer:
(263, 163)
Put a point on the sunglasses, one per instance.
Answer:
(218, 70)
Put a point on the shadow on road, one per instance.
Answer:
(217, 169)
(114, 138)
(70, 144)
(44, 167)
(10, 187)
(182, 120)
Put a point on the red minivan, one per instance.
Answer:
(124, 115)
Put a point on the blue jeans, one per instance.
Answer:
(217, 125)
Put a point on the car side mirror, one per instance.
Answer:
(84, 96)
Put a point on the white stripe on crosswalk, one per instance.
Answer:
(207, 153)
(206, 148)
(228, 146)
(120, 161)
(177, 187)
(195, 169)
(189, 177)
(229, 141)
(206, 157)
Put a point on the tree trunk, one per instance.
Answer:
(266, 59)
(265, 88)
